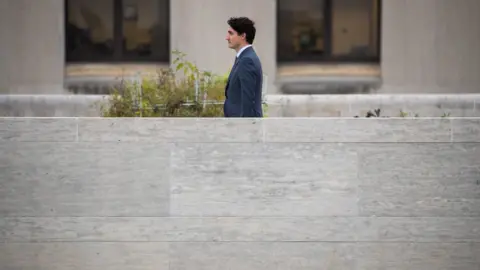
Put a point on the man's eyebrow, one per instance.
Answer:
(230, 31)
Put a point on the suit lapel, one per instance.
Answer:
(233, 67)
(231, 73)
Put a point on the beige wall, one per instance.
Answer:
(431, 46)
(31, 46)
(199, 29)
(428, 46)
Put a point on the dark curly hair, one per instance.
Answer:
(243, 25)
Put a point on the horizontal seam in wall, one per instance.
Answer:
(254, 241)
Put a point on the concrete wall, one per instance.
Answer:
(392, 105)
(31, 47)
(113, 194)
(431, 46)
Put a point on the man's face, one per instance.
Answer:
(234, 40)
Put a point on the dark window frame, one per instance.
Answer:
(118, 56)
(328, 58)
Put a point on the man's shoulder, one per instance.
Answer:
(247, 61)
(251, 53)
(250, 58)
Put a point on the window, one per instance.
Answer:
(117, 30)
(328, 30)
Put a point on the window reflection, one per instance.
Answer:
(328, 30)
(117, 30)
(354, 28)
(89, 29)
(145, 28)
(301, 27)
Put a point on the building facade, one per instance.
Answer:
(315, 46)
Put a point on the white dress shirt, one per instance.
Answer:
(242, 49)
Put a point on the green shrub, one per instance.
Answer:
(182, 91)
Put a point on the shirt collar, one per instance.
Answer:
(242, 49)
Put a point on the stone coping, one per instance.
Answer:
(423, 105)
(218, 130)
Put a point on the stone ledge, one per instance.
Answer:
(395, 105)
(240, 130)
(369, 70)
(466, 105)
(50, 105)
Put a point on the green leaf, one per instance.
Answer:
(179, 66)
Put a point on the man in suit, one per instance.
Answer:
(243, 92)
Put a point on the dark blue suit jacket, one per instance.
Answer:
(243, 93)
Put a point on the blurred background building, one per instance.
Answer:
(58, 47)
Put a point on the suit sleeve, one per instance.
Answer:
(247, 85)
